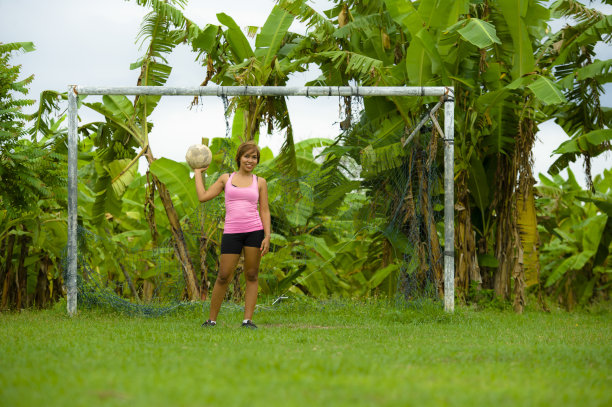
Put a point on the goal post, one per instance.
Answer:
(360, 91)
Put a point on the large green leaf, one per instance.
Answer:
(238, 126)
(120, 106)
(478, 184)
(592, 231)
(547, 91)
(388, 127)
(356, 64)
(430, 47)
(480, 33)
(176, 178)
(106, 201)
(451, 13)
(399, 241)
(513, 12)
(380, 159)
(584, 142)
(121, 181)
(205, 40)
(113, 113)
(498, 137)
(295, 206)
(380, 275)
(56, 236)
(272, 33)
(306, 14)
(592, 31)
(575, 262)
(602, 70)
(235, 38)
(404, 13)
(441, 14)
(418, 64)
(319, 245)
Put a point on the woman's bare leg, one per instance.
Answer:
(252, 256)
(227, 265)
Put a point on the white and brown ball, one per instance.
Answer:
(198, 156)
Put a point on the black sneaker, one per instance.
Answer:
(208, 323)
(249, 324)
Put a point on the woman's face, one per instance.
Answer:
(248, 160)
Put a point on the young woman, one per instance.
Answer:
(246, 228)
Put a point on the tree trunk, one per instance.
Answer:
(130, 283)
(204, 283)
(56, 289)
(237, 293)
(8, 270)
(147, 290)
(180, 246)
(467, 271)
(507, 240)
(387, 258)
(149, 208)
(529, 272)
(506, 251)
(42, 282)
(525, 220)
(21, 278)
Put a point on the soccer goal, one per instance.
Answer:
(446, 95)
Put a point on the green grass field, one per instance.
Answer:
(308, 354)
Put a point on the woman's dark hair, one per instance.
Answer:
(244, 148)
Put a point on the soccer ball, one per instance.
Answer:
(198, 156)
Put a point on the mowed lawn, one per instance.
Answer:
(331, 353)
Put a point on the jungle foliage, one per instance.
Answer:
(509, 71)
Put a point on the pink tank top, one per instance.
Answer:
(241, 214)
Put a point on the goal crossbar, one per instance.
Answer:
(360, 91)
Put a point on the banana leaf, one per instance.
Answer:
(176, 178)
(121, 182)
(235, 38)
(272, 34)
(547, 91)
(584, 142)
(477, 32)
(513, 12)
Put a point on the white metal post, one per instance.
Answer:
(449, 203)
(266, 90)
(71, 274)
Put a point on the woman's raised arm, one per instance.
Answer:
(214, 190)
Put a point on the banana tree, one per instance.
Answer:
(576, 228)
(486, 50)
(319, 251)
(231, 61)
(570, 53)
(380, 43)
(162, 29)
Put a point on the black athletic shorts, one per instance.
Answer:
(232, 243)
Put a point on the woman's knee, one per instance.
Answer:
(223, 278)
(251, 275)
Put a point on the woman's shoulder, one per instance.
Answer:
(224, 177)
(261, 180)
